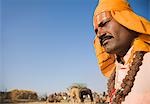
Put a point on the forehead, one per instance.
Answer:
(100, 17)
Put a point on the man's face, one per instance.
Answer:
(112, 35)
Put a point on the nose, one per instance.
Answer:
(101, 31)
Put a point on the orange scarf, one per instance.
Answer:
(123, 14)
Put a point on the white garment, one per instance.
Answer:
(140, 92)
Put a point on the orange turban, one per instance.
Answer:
(123, 14)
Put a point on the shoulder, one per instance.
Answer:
(147, 56)
(142, 80)
(144, 68)
(141, 88)
(146, 60)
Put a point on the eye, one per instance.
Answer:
(103, 23)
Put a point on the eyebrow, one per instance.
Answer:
(103, 22)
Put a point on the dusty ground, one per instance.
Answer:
(48, 103)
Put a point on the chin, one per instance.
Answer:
(109, 50)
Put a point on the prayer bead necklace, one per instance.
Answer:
(118, 96)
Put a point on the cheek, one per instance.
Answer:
(124, 37)
(114, 31)
(124, 41)
(110, 27)
(114, 42)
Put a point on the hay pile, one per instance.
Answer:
(18, 96)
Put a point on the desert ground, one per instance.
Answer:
(50, 103)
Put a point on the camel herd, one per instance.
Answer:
(77, 94)
(74, 95)
(57, 97)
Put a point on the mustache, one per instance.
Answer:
(105, 37)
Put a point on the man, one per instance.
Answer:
(122, 45)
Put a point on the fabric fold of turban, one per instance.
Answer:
(123, 14)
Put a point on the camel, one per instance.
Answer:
(74, 94)
(57, 97)
(85, 92)
(77, 94)
(54, 98)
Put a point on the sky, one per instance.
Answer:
(47, 45)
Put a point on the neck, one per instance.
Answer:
(121, 54)
(122, 51)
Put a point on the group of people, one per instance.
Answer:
(122, 45)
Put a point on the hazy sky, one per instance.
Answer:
(46, 45)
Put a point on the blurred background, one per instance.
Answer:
(46, 45)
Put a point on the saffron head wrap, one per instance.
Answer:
(123, 14)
